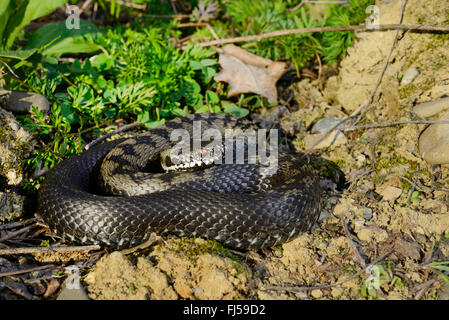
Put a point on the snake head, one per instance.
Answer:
(183, 157)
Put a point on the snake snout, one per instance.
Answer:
(183, 157)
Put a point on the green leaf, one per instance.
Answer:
(18, 54)
(208, 62)
(154, 124)
(235, 110)
(196, 65)
(211, 97)
(68, 113)
(26, 11)
(6, 7)
(69, 40)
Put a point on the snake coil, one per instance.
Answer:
(229, 203)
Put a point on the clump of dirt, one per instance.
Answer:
(375, 239)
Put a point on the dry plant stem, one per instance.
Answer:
(16, 233)
(17, 224)
(325, 286)
(168, 16)
(191, 24)
(361, 27)
(121, 129)
(352, 244)
(28, 250)
(13, 273)
(394, 123)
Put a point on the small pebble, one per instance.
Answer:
(434, 143)
(390, 193)
(431, 108)
(336, 138)
(409, 76)
(22, 102)
(325, 124)
(367, 214)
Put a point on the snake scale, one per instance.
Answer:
(232, 203)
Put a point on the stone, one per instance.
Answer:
(325, 124)
(431, 108)
(22, 102)
(368, 214)
(336, 138)
(434, 143)
(16, 145)
(390, 193)
(409, 76)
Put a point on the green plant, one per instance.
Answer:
(442, 268)
(379, 275)
(261, 16)
(14, 15)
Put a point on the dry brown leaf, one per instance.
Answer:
(247, 72)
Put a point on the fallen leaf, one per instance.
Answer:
(247, 72)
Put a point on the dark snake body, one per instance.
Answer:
(219, 203)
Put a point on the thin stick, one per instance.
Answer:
(352, 244)
(13, 273)
(16, 233)
(26, 250)
(17, 224)
(280, 33)
(394, 123)
(168, 16)
(121, 129)
(191, 24)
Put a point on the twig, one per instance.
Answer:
(142, 246)
(16, 224)
(325, 286)
(16, 233)
(212, 31)
(422, 288)
(168, 16)
(13, 273)
(394, 123)
(130, 5)
(280, 33)
(191, 24)
(121, 129)
(352, 244)
(58, 249)
(299, 5)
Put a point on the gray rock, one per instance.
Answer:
(325, 124)
(434, 143)
(409, 76)
(11, 205)
(16, 144)
(368, 214)
(22, 102)
(431, 108)
(323, 140)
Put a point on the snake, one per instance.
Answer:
(118, 193)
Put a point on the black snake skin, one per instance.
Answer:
(220, 202)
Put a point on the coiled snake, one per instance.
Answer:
(235, 204)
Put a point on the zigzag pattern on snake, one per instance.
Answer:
(228, 203)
